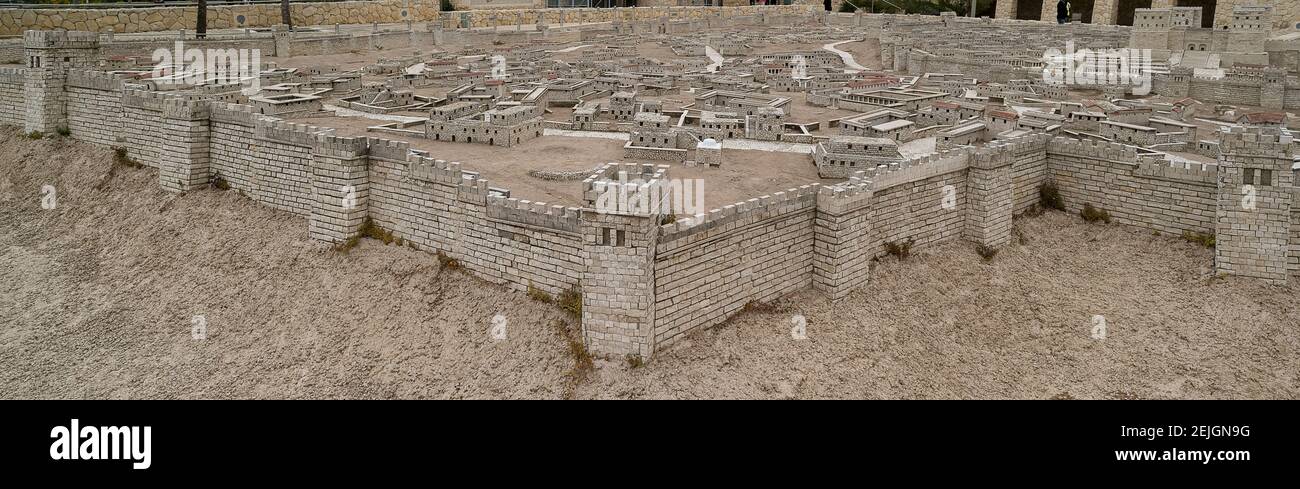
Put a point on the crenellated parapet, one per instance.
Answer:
(243, 115)
(1271, 142)
(60, 39)
(1093, 149)
(920, 168)
(181, 108)
(803, 197)
(13, 75)
(288, 132)
(846, 197)
(539, 214)
(432, 170)
(340, 185)
(158, 101)
(1255, 199)
(391, 150)
(340, 148)
(96, 80)
(1158, 167)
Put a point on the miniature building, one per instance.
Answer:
(708, 153)
(765, 124)
(287, 104)
(497, 127)
(844, 155)
(622, 105)
(721, 125)
(964, 134)
(1128, 133)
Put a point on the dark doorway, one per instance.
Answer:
(1029, 9)
(1124, 12)
(828, 5)
(1207, 10)
(1081, 11)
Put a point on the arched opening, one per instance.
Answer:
(1207, 10)
(453, 138)
(1030, 9)
(1080, 11)
(1202, 47)
(491, 141)
(1125, 10)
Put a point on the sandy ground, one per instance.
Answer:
(99, 295)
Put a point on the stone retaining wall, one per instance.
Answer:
(14, 21)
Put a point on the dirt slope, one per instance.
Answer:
(97, 298)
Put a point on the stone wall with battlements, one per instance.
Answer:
(95, 107)
(1136, 190)
(13, 106)
(709, 267)
(131, 20)
(645, 284)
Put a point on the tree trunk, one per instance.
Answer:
(285, 18)
(201, 27)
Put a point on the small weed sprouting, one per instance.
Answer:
(347, 246)
(582, 361)
(368, 230)
(986, 252)
(63, 131)
(571, 301)
(445, 262)
(1050, 196)
(634, 361)
(1094, 214)
(1203, 239)
(1020, 236)
(220, 183)
(539, 295)
(120, 158)
(901, 250)
(35, 135)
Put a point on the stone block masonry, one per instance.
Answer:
(709, 267)
(645, 285)
(340, 188)
(13, 107)
(1254, 202)
(1138, 191)
(185, 137)
(94, 106)
(990, 198)
(128, 20)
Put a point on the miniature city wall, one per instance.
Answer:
(14, 22)
(656, 282)
(1108, 11)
